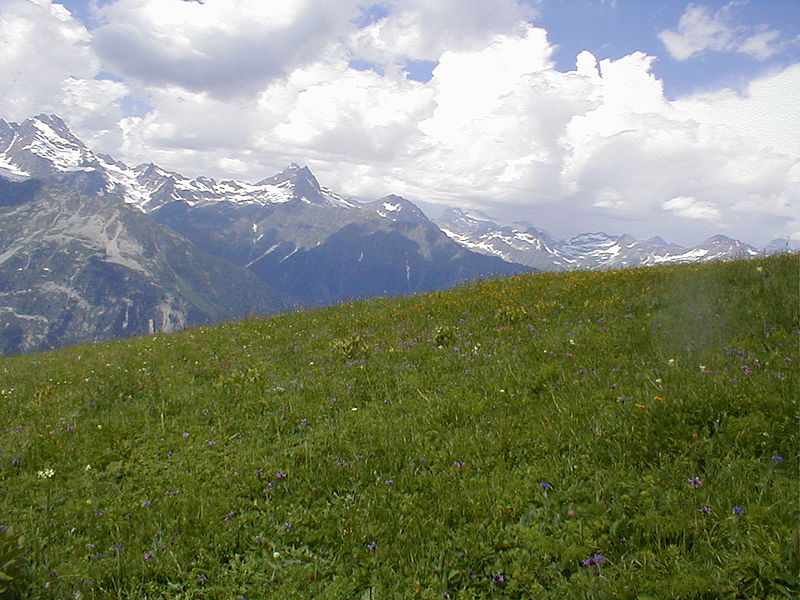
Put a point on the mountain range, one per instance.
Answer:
(91, 248)
(524, 244)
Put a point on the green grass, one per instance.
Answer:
(483, 442)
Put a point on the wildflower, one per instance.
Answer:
(281, 475)
(372, 546)
(738, 510)
(276, 555)
(45, 473)
(303, 422)
(145, 503)
(388, 481)
(148, 555)
(15, 462)
(212, 443)
(695, 481)
(202, 577)
(498, 577)
(259, 472)
(228, 516)
(597, 559)
(545, 485)
(747, 370)
(637, 405)
(459, 463)
(185, 434)
(705, 509)
(777, 458)
(287, 526)
(171, 493)
(98, 512)
(4, 528)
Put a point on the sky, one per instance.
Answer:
(658, 117)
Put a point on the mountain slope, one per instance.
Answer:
(319, 253)
(76, 268)
(625, 434)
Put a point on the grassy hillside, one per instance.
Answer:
(628, 434)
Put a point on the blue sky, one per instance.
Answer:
(657, 117)
(612, 29)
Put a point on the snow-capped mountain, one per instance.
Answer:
(44, 147)
(524, 244)
(396, 208)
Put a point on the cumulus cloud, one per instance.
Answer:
(222, 47)
(700, 30)
(691, 208)
(424, 30)
(46, 65)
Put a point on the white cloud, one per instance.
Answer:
(226, 48)
(47, 66)
(691, 208)
(700, 30)
(761, 45)
(424, 30)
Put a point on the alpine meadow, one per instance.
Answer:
(627, 434)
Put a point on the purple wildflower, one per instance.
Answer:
(545, 485)
(459, 463)
(597, 559)
(281, 475)
(747, 370)
(303, 422)
(228, 516)
(212, 443)
(98, 512)
(145, 504)
(202, 577)
(498, 577)
(148, 555)
(738, 510)
(372, 546)
(287, 526)
(388, 481)
(15, 462)
(185, 434)
(3, 528)
(705, 509)
(777, 458)
(695, 481)
(171, 493)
